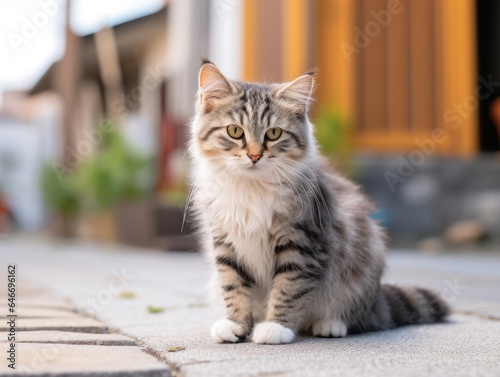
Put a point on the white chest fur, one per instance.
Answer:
(243, 209)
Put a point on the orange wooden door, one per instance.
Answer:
(403, 70)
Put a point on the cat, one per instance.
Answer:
(292, 242)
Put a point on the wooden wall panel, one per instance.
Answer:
(398, 72)
(250, 43)
(421, 66)
(442, 147)
(373, 66)
(270, 40)
(457, 61)
(295, 38)
(338, 73)
(262, 40)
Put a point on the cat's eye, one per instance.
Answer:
(236, 132)
(274, 133)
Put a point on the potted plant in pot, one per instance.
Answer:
(116, 187)
(62, 197)
(174, 223)
(334, 134)
(173, 220)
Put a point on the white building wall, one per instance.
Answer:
(21, 161)
(226, 36)
(187, 45)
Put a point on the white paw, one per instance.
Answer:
(272, 333)
(225, 330)
(330, 328)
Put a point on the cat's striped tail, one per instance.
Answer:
(409, 306)
(397, 306)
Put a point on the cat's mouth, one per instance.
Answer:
(254, 168)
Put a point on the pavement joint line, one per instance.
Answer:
(479, 315)
(174, 367)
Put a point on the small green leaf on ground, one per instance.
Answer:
(176, 349)
(127, 294)
(155, 309)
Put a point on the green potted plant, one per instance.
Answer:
(116, 181)
(333, 132)
(104, 198)
(62, 196)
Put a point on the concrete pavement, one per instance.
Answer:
(60, 342)
(116, 285)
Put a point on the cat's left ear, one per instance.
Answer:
(299, 92)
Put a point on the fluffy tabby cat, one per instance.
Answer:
(294, 247)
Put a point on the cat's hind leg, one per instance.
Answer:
(329, 328)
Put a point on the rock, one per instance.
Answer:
(431, 245)
(485, 207)
(466, 232)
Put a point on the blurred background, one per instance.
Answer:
(96, 96)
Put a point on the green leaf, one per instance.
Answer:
(155, 309)
(176, 349)
(127, 295)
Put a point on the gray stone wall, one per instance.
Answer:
(420, 197)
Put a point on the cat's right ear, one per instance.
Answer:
(213, 86)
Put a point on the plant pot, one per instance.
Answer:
(99, 226)
(171, 232)
(62, 226)
(135, 223)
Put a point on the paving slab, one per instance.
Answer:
(80, 324)
(67, 337)
(31, 312)
(21, 291)
(81, 360)
(41, 301)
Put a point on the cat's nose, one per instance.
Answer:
(254, 157)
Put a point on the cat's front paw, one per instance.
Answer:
(226, 330)
(272, 333)
(329, 328)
